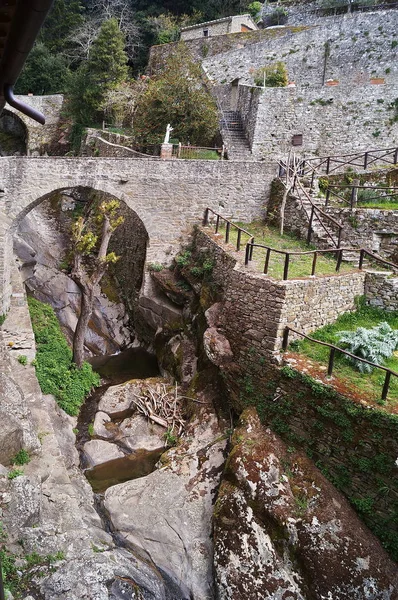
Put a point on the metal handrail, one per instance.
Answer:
(333, 349)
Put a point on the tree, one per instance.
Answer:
(177, 96)
(105, 69)
(91, 234)
(64, 17)
(292, 168)
(44, 73)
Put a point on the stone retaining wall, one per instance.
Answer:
(381, 290)
(263, 306)
(334, 120)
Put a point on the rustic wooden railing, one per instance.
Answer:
(326, 222)
(196, 152)
(332, 354)
(338, 252)
(228, 225)
(353, 200)
(362, 160)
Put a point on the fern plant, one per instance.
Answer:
(375, 344)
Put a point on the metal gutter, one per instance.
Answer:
(24, 28)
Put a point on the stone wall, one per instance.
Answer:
(263, 306)
(373, 228)
(168, 196)
(40, 137)
(351, 48)
(381, 290)
(332, 120)
(218, 27)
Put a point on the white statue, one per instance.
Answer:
(169, 129)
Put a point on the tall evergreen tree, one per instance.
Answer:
(105, 69)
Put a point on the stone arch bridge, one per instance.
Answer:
(168, 196)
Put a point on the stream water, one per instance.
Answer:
(134, 363)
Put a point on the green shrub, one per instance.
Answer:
(14, 473)
(375, 344)
(23, 359)
(21, 458)
(55, 371)
(277, 17)
(273, 75)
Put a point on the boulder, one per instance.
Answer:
(167, 515)
(217, 347)
(98, 452)
(117, 401)
(281, 530)
(100, 430)
(137, 433)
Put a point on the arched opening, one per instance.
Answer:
(13, 135)
(42, 245)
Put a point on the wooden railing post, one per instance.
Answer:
(309, 234)
(238, 240)
(314, 264)
(266, 264)
(247, 254)
(327, 197)
(327, 165)
(251, 248)
(227, 232)
(285, 340)
(354, 193)
(339, 259)
(386, 385)
(331, 361)
(217, 223)
(339, 236)
(312, 180)
(286, 267)
(365, 160)
(206, 218)
(395, 156)
(361, 258)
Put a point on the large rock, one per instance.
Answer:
(137, 433)
(11, 436)
(117, 401)
(98, 452)
(217, 347)
(167, 515)
(281, 529)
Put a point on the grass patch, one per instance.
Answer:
(200, 154)
(55, 371)
(300, 266)
(367, 384)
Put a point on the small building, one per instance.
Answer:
(236, 24)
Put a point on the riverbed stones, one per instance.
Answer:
(98, 452)
(281, 530)
(167, 515)
(101, 421)
(137, 433)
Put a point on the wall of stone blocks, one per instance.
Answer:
(381, 290)
(41, 136)
(351, 48)
(263, 306)
(332, 120)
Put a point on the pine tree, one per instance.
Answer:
(105, 69)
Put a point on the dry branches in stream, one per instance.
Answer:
(162, 406)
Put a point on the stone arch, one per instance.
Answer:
(129, 241)
(14, 135)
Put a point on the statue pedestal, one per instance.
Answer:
(166, 151)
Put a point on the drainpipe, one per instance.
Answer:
(29, 111)
(24, 29)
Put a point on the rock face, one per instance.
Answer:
(282, 531)
(167, 515)
(41, 246)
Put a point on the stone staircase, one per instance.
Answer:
(234, 136)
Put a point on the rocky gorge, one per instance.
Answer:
(225, 511)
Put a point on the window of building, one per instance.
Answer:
(297, 140)
(205, 33)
